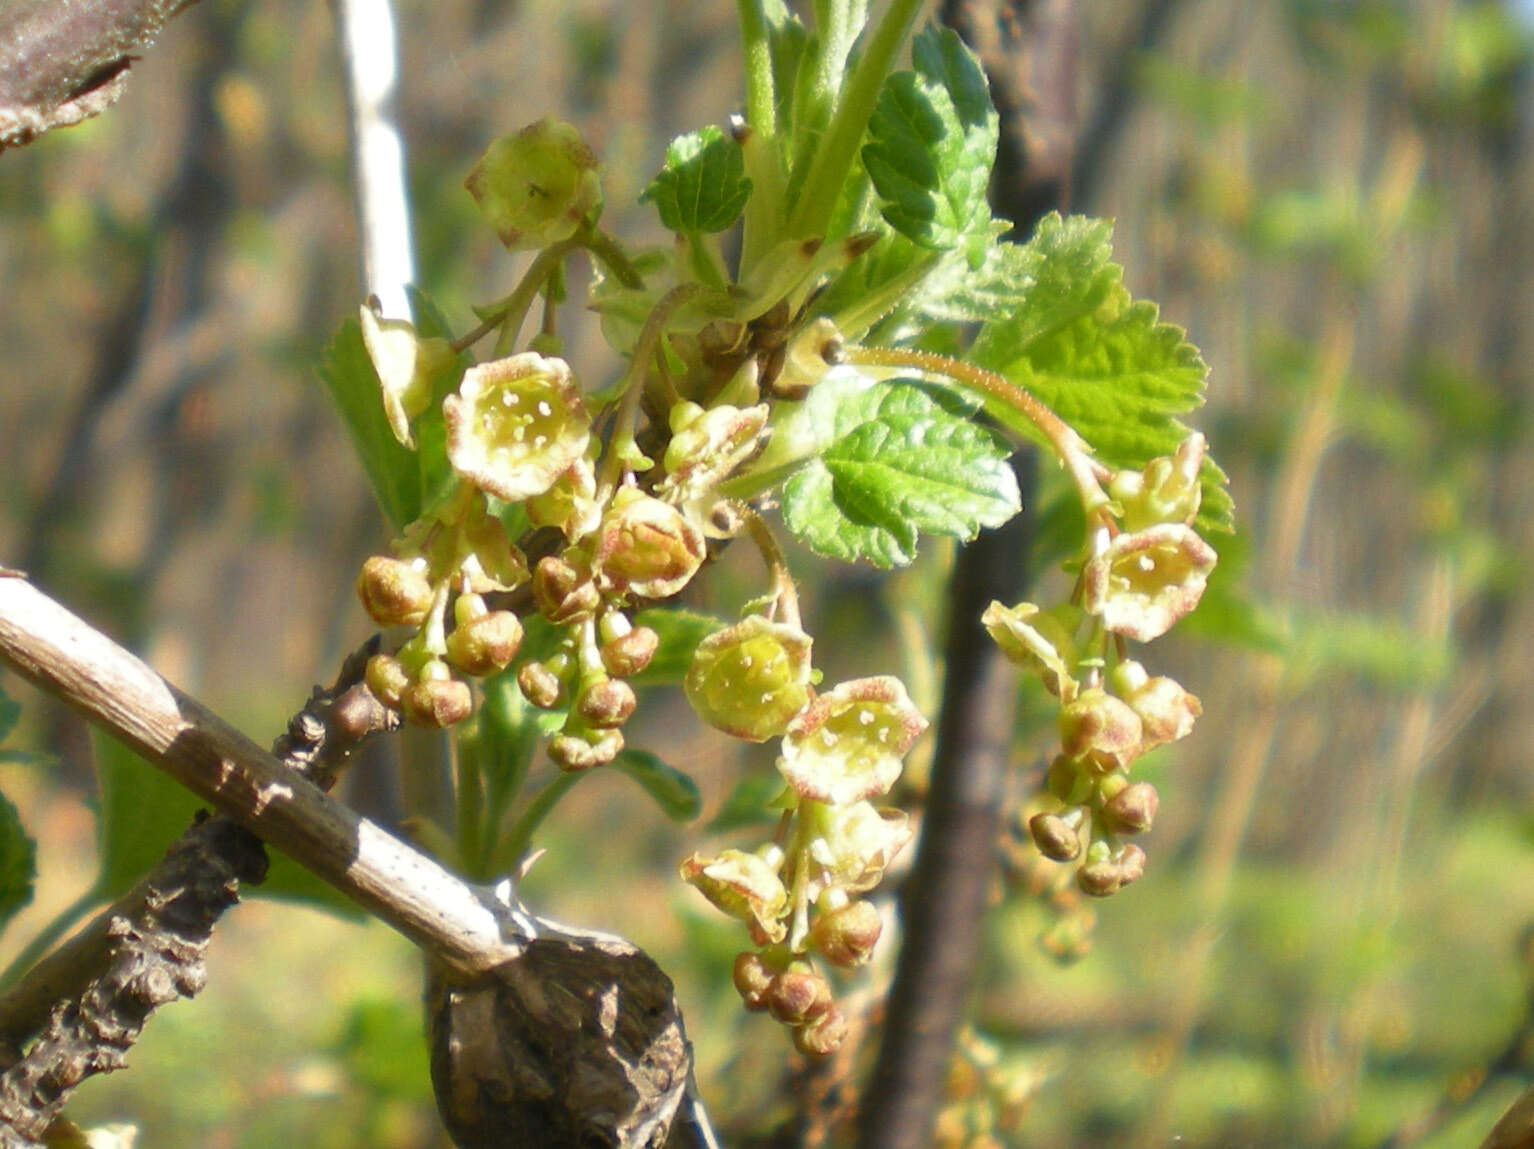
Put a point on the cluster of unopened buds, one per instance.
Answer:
(799, 895)
(1147, 568)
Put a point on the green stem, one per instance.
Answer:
(607, 251)
(513, 313)
(839, 147)
(1075, 455)
(627, 418)
(61, 924)
(516, 842)
(783, 588)
(874, 306)
(756, 51)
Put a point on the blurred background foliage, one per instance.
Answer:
(1332, 944)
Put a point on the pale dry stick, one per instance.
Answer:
(70, 660)
(550, 1035)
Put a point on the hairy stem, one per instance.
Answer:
(839, 146)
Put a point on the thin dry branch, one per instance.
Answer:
(63, 61)
(564, 1036)
(66, 657)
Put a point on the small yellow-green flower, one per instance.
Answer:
(1145, 581)
(538, 186)
(750, 679)
(848, 744)
(516, 425)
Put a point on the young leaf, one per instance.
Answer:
(750, 803)
(674, 792)
(18, 862)
(703, 187)
(348, 375)
(1106, 365)
(901, 462)
(932, 141)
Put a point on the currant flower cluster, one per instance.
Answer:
(1146, 568)
(799, 894)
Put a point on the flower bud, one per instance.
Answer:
(540, 685)
(537, 187)
(798, 995)
(628, 654)
(1102, 726)
(1130, 863)
(607, 703)
(847, 936)
(1133, 809)
(647, 547)
(752, 977)
(575, 754)
(750, 679)
(1056, 838)
(1144, 582)
(823, 1036)
(707, 445)
(387, 678)
(436, 700)
(1068, 780)
(485, 645)
(1099, 879)
(564, 592)
(516, 425)
(848, 744)
(1166, 711)
(394, 592)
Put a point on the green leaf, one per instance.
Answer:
(18, 862)
(932, 141)
(348, 375)
(1105, 364)
(680, 631)
(901, 461)
(142, 811)
(674, 792)
(703, 187)
(750, 803)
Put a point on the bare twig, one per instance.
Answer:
(64, 656)
(552, 1031)
(61, 63)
